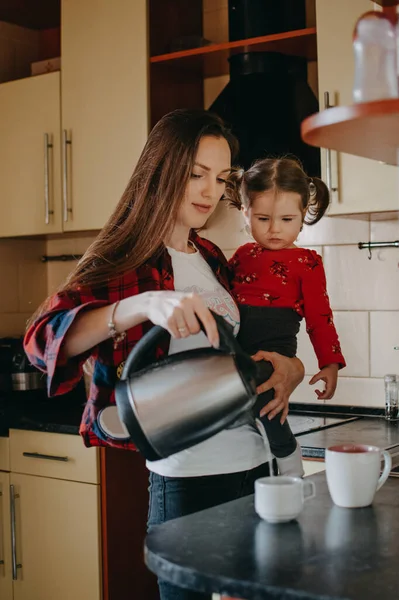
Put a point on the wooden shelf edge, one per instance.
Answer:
(213, 48)
(340, 114)
(369, 130)
(386, 3)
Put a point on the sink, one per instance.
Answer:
(301, 424)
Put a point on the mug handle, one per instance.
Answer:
(387, 469)
(312, 493)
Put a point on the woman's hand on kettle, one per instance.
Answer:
(181, 314)
(288, 374)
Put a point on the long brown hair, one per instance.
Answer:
(147, 211)
(286, 175)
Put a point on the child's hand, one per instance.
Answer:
(329, 375)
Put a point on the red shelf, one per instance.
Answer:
(213, 58)
(386, 2)
(370, 130)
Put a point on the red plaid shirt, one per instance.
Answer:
(44, 339)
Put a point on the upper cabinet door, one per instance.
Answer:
(104, 104)
(363, 185)
(30, 156)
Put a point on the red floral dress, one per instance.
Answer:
(289, 278)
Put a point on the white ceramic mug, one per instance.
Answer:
(353, 473)
(281, 499)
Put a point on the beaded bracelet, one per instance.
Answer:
(117, 337)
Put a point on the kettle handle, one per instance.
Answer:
(152, 338)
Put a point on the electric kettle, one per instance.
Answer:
(184, 398)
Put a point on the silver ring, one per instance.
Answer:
(182, 329)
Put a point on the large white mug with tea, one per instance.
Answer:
(281, 499)
(353, 473)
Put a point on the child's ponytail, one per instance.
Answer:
(232, 193)
(319, 200)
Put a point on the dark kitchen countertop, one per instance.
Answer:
(369, 427)
(330, 553)
(34, 412)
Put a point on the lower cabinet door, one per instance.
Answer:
(57, 531)
(5, 538)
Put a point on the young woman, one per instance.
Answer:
(148, 266)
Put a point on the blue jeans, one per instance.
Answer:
(172, 497)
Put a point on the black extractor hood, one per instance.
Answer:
(268, 95)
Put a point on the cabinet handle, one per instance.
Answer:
(45, 456)
(328, 151)
(1, 561)
(65, 143)
(15, 565)
(47, 147)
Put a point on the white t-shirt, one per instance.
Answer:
(231, 450)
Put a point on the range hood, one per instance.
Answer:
(268, 95)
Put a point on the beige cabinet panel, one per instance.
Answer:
(4, 455)
(30, 109)
(104, 103)
(58, 541)
(363, 185)
(5, 538)
(53, 455)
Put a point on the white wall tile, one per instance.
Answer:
(335, 230)
(384, 334)
(228, 252)
(9, 282)
(226, 227)
(305, 351)
(20, 250)
(57, 273)
(304, 393)
(351, 391)
(70, 244)
(32, 285)
(356, 283)
(359, 391)
(13, 324)
(384, 231)
(353, 332)
(318, 249)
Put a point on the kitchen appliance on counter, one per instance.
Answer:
(24, 403)
(19, 380)
(16, 372)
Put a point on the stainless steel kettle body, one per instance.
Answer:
(185, 398)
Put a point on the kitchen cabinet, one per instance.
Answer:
(51, 501)
(30, 198)
(5, 538)
(94, 115)
(361, 185)
(58, 542)
(4, 454)
(104, 104)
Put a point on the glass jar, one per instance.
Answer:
(375, 51)
(391, 383)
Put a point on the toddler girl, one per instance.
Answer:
(276, 284)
